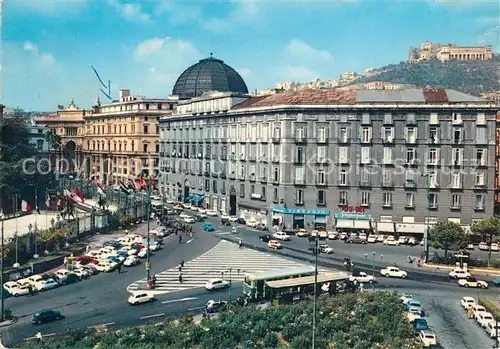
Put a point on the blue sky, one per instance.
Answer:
(49, 45)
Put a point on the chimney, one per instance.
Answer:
(123, 94)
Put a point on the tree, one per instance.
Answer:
(53, 139)
(446, 235)
(488, 228)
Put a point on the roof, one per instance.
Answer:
(351, 96)
(283, 272)
(308, 280)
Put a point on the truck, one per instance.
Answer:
(362, 277)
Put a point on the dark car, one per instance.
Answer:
(262, 227)
(354, 240)
(420, 325)
(226, 222)
(200, 217)
(266, 238)
(46, 315)
(241, 221)
(113, 243)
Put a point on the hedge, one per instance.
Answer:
(490, 306)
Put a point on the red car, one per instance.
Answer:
(137, 245)
(86, 260)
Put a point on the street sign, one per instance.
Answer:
(148, 266)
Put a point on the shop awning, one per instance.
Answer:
(411, 228)
(320, 219)
(385, 227)
(362, 224)
(345, 224)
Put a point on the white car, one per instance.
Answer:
(381, 238)
(411, 241)
(252, 223)
(81, 273)
(216, 284)
(34, 279)
(333, 235)
(143, 253)
(279, 235)
(402, 240)
(428, 338)
(189, 220)
(494, 247)
(48, 284)
(302, 233)
(129, 250)
(154, 246)
(131, 261)
(413, 314)
(211, 213)
(391, 241)
(459, 273)
(104, 267)
(138, 298)
(233, 219)
(467, 302)
(393, 272)
(62, 274)
(323, 234)
(362, 236)
(225, 217)
(483, 246)
(477, 309)
(363, 278)
(484, 318)
(406, 297)
(492, 328)
(16, 289)
(372, 239)
(184, 216)
(324, 248)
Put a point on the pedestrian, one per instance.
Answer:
(153, 279)
(119, 269)
(87, 249)
(182, 262)
(38, 336)
(240, 244)
(180, 267)
(30, 290)
(180, 277)
(180, 238)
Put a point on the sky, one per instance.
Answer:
(48, 46)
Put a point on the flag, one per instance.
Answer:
(25, 206)
(133, 185)
(143, 183)
(47, 201)
(59, 202)
(60, 107)
(124, 188)
(69, 196)
(100, 190)
(79, 193)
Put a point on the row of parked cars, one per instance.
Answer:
(479, 313)
(416, 316)
(359, 237)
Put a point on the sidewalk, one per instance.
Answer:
(479, 271)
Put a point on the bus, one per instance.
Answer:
(255, 286)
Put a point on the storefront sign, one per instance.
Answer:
(352, 209)
(300, 211)
(353, 216)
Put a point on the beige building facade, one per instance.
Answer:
(449, 52)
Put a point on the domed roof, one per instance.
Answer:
(209, 74)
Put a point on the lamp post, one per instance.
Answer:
(426, 235)
(148, 259)
(315, 251)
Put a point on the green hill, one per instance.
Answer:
(473, 77)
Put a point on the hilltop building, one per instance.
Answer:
(448, 52)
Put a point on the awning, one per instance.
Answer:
(412, 228)
(195, 198)
(320, 219)
(298, 217)
(385, 227)
(362, 225)
(345, 224)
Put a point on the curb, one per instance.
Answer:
(8, 323)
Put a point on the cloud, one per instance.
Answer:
(44, 58)
(298, 73)
(131, 12)
(301, 50)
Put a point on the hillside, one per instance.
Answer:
(473, 77)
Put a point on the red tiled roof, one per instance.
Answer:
(435, 95)
(301, 97)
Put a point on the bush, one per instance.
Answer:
(7, 314)
(490, 306)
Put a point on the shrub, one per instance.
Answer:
(490, 306)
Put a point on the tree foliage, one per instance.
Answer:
(472, 77)
(53, 139)
(447, 235)
(489, 229)
(360, 321)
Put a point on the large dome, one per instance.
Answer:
(209, 74)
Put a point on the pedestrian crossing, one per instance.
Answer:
(225, 260)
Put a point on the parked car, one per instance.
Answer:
(113, 243)
(472, 282)
(138, 298)
(333, 235)
(211, 213)
(324, 248)
(492, 328)
(483, 246)
(44, 316)
(131, 261)
(478, 309)
(216, 284)
(406, 297)
(420, 325)
(470, 247)
(190, 220)
(214, 306)
(494, 247)
(15, 289)
(355, 240)
(391, 241)
(413, 314)
(241, 220)
(467, 302)
(428, 338)
(302, 233)
(208, 227)
(144, 253)
(484, 318)
(415, 304)
(372, 239)
(393, 272)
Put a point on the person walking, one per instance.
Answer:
(153, 280)
(180, 238)
(182, 263)
(240, 244)
(180, 277)
(119, 268)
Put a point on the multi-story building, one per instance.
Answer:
(447, 52)
(395, 160)
(121, 138)
(38, 137)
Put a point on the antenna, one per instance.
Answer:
(106, 89)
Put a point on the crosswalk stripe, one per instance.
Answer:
(221, 258)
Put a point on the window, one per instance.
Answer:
(410, 176)
(343, 177)
(481, 135)
(433, 200)
(300, 133)
(434, 135)
(343, 155)
(457, 157)
(321, 176)
(455, 201)
(386, 199)
(480, 119)
(365, 177)
(207, 167)
(299, 196)
(144, 148)
(276, 174)
(145, 129)
(299, 155)
(214, 186)
(321, 197)
(411, 134)
(207, 184)
(242, 171)
(457, 135)
(344, 134)
(365, 155)
(366, 135)
(410, 200)
(479, 202)
(275, 194)
(263, 192)
(321, 134)
(322, 154)
(481, 159)
(457, 118)
(387, 176)
(434, 119)
(387, 156)
(39, 144)
(480, 179)
(300, 175)
(433, 179)
(365, 119)
(277, 132)
(242, 190)
(433, 157)
(252, 189)
(388, 134)
(342, 198)
(411, 156)
(365, 198)
(456, 180)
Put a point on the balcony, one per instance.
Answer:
(173, 170)
(275, 200)
(412, 162)
(173, 154)
(276, 139)
(252, 178)
(232, 176)
(263, 179)
(299, 181)
(200, 173)
(276, 181)
(321, 183)
(162, 153)
(387, 184)
(366, 183)
(264, 159)
(387, 205)
(410, 184)
(323, 140)
(207, 156)
(232, 157)
(200, 156)
(411, 140)
(455, 207)
(206, 174)
(223, 175)
(214, 156)
(298, 161)
(300, 139)
(215, 140)
(344, 140)
(215, 175)
(481, 163)
(276, 160)
(320, 203)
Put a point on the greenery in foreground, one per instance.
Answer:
(351, 321)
